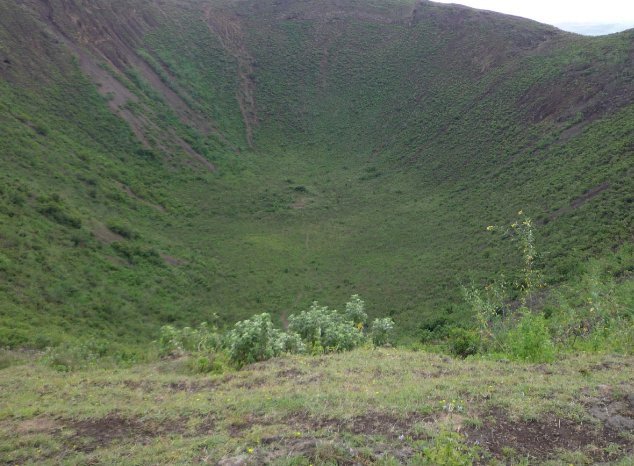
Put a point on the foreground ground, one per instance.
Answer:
(366, 407)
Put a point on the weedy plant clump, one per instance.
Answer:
(510, 318)
(317, 330)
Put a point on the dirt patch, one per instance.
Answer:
(607, 365)
(38, 425)
(585, 197)
(253, 383)
(373, 423)
(313, 449)
(91, 434)
(289, 374)
(432, 375)
(317, 362)
(299, 203)
(206, 426)
(539, 439)
(142, 385)
(142, 200)
(616, 412)
(195, 156)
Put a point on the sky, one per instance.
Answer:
(582, 16)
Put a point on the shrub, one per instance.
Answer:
(324, 329)
(72, 356)
(355, 310)
(209, 363)
(530, 340)
(381, 331)
(175, 342)
(463, 342)
(254, 340)
(318, 329)
(135, 253)
(291, 342)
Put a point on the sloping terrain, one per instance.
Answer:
(165, 160)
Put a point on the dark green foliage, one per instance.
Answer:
(463, 342)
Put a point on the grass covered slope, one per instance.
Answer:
(365, 407)
(168, 161)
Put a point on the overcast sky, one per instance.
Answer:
(583, 16)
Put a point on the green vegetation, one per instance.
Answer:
(316, 331)
(381, 151)
(171, 163)
(524, 321)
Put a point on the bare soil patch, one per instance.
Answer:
(289, 374)
(253, 383)
(38, 425)
(538, 439)
(372, 423)
(91, 434)
(616, 412)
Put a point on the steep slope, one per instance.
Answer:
(163, 160)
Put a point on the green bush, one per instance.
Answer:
(253, 340)
(530, 339)
(318, 329)
(355, 310)
(137, 254)
(71, 356)
(176, 342)
(324, 330)
(463, 342)
(291, 342)
(209, 363)
(381, 331)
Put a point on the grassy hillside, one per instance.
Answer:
(171, 160)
